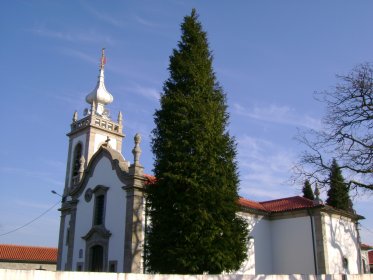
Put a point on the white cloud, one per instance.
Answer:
(85, 36)
(43, 176)
(110, 19)
(148, 92)
(277, 114)
(145, 22)
(81, 55)
(265, 169)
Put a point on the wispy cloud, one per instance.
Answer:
(277, 114)
(43, 176)
(145, 22)
(264, 169)
(80, 55)
(100, 15)
(85, 36)
(147, 92)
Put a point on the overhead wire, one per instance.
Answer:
(364, 227)
(33, 220)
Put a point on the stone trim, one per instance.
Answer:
(117, 162)
(339, 212)
(67, 176)
(290, 214)
(320, 238)
(70, 247)
(91, 121)
(133, 236)
(98, 235)
(91, 135)
(99, 230)
(61, 241)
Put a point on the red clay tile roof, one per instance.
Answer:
(27, 253)
(370, 255)
(278, 205)
(287, 204)
(250, 204)
(150, 178)
(365, 247)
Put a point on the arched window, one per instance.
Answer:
(76, 159)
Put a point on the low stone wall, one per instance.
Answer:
(9, 274)
(27, 266)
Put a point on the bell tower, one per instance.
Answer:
(92, 130)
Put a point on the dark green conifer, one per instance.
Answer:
(338, 196)
(193, 203)
(307, 190)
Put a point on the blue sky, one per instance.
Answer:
(269, 56)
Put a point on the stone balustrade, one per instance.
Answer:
(95, 121)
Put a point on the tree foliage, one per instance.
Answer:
(193, 203)
(346, 133)
(338, 196)
(307, 190)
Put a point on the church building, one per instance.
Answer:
(102, 223)
(103, 219)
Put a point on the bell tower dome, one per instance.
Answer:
(92, 130)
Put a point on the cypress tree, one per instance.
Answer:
(307, 190)
(338, 196)
(193, 203)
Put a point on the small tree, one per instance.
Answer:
(193, 203)
(307, 190)
(338, 196)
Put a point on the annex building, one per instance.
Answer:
(27, 257)
(103, 216)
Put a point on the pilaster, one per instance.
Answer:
(134, 231)
(321, 248)
(70, 249)
(60, 241)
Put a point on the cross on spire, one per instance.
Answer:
(107, 141)
(103, 59)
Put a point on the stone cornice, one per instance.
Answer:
(100, 230)
(351, 215)
(96, 122)
(117, 163)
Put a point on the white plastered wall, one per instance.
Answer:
(341, 241)
(292, 246)
(115, 209)
(263, 247)
(100, 139)
(249, 265)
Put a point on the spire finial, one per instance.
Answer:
(317, 199)
(75, 116)
(103, 59)
(137, 150)
(120, 117)
(100, 95)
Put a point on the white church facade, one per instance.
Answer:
(103, 219)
